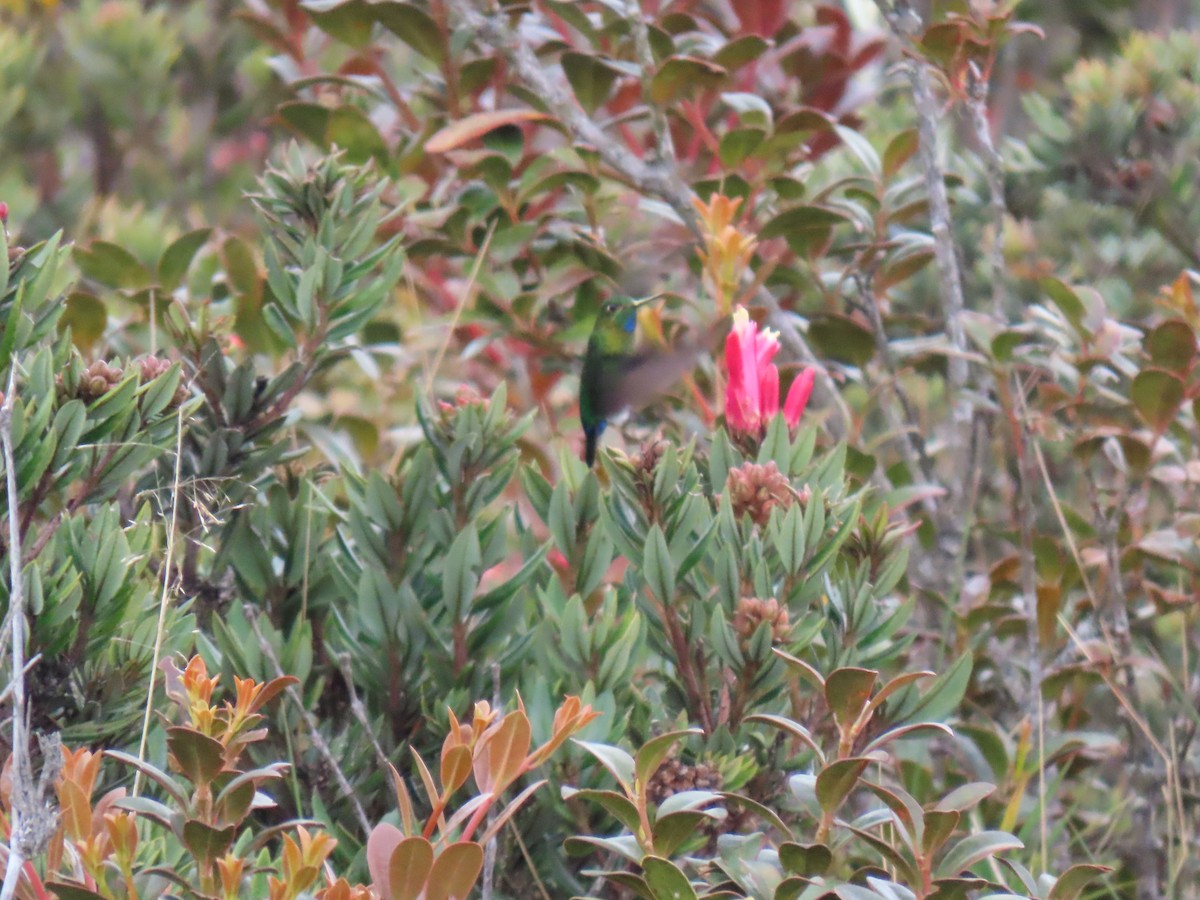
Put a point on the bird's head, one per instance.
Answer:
(617, 321)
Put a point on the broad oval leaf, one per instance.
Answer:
(650, 757)
(680, 76)
(619, 763)
(837, 780)
(1157, 396)
(408, 868)
(665, 879)
(974, 848)
(847, 691)
(455, 872)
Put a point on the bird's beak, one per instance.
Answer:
(649, 299)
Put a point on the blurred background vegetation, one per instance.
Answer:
(295, 298)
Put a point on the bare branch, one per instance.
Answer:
(993, 164)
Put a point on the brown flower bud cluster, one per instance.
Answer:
(98, 379)
(152, 367)
(752, 612)
(675, 776)
(645, 461)
(755, 490)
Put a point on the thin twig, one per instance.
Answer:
(993, 166)
(1026, 477)
(489, 852)
(21, 767)
(360, 712)
(314, 730)
(160, 629)
(7, 692)
(467, 294)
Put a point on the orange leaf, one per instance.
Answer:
(503, 752)
(476, 125)
(410, 867)
(455, 872)
(456, 766)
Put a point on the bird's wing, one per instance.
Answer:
(652, 371)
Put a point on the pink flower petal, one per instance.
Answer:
(797, 396)
(768, 387)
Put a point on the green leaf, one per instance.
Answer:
(738, 144)
(1067, 301)
(349, 128)
(939, 825)
(974, 848)
(198, 756)
(309, 120)
(837, 780)
(1157, 395)
(674, 830)
(900, 150)
(414, 26)
(240, 267)
(847, 691)
(650, 757)
(87, 318)
(810, 860)
(1070, 884)
(657, 567)
(177, 258)
(591, 78)
(740, 51)
(681, 76)
(350, 21)
(861, 148)
(791, 727)
(561, 520)
(666, 881)
(803, 227)
(943, 695)
(460, 572)
(1172, 345)
(966, 796)
(842, 338)
(112, 266)
(206, 843)
(619, 763)
(618, 805)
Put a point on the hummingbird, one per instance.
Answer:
(616, 377)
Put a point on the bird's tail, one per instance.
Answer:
(591, 436)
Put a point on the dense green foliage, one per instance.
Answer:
(290, 330)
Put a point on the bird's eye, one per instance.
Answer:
(610, 308)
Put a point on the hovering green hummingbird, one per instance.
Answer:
(616, 377)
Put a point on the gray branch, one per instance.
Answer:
(660, 179)
(993, 164)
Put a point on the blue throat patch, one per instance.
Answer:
(630, 324)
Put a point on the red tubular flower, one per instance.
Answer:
(752, 397)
